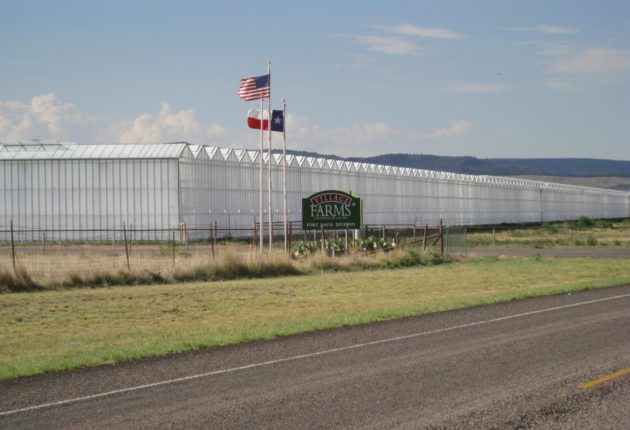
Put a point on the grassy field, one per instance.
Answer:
(560, 234)
(55, 330)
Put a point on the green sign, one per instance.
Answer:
(332, 210)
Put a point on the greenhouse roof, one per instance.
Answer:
(48, 150)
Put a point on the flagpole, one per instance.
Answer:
(270, 161)
(284, 170)
(261, 182)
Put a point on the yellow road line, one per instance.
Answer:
(606, 378)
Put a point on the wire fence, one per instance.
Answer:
(55, 255)
(51, 256)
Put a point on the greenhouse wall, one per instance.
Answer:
(95, 188)
(222, 185)
(78, 198)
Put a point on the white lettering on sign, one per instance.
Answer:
(328, 210)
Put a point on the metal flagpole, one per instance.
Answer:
(284, 170)
(261, 180)
(270, 206)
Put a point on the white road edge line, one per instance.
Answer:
(298, 357)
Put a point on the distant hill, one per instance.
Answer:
(569, 167)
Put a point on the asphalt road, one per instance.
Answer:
(515, 365)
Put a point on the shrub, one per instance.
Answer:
(371, 243)
(603, 223)
(591, 240)
(411, 257)
(303, 248)
(549, 228)
(408, 258)
(583, 222)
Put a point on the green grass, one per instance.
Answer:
(56, 330)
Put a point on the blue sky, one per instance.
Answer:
(481, 78)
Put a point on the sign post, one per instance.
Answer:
(332, 210)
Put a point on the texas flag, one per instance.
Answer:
(256, 116)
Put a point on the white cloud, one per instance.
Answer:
(399, 45)
(558, 49)
(43, 118)
(562, 86)
(355, 139)
(594, 60)
(385, 45)
(164, 126)
(412, 30)
(457, 128)
(475, 87)
(361, 139)
(555, 29)
(547, 29)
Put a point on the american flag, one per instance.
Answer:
(255, 88)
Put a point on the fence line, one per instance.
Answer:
(48, 259)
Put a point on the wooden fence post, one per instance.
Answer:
(424, 240)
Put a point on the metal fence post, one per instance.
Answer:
(126, 246)
(441, 238)
(13, 249)
(173, 250)
(213, 237)
(465, 241)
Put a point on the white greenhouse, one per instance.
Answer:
(74, 190)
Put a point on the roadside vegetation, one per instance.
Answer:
(62, 329)
(77, 265)
(581, 232)
(228, 266)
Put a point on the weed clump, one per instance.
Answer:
(20, 281)
(105, 279)
(232, 266)
(411, 257)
